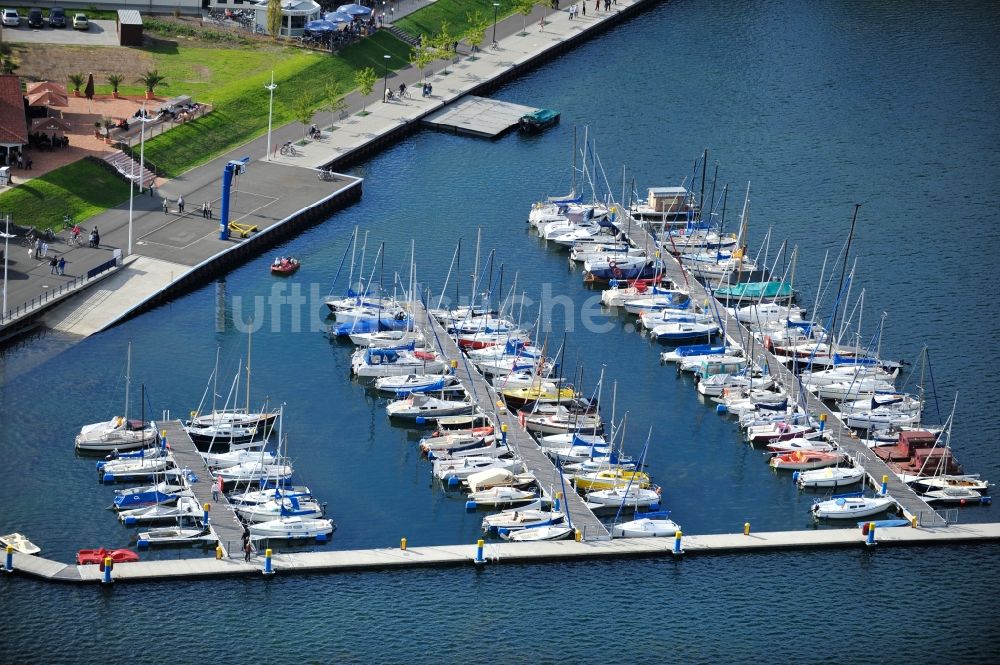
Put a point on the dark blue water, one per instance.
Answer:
(818, 106)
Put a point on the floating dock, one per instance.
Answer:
(517, 438)
(222, 520)
(478, 116)
(909, 501)
(517, 553)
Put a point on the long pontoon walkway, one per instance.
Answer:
(223, 523)
(522, 443)
(908, 500)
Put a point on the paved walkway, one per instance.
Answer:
(353, 132)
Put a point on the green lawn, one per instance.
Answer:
(80, 190)
(428, 20)
(234, 85)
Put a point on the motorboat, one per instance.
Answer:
(802, 460)
(292, 528)
(20, 543)
(931, 483)
(284, 266)
(521, 518)
(647, 525)
(420, 405)
(536, 533)
(460, 469)
(629, 497)
(683, 352)
(184, 506)
(501, 495)
(964, 496)
(851, 507)
(119, 555)
(831, 476)
(175, 535)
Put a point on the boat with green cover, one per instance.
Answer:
(538, 120)
(755, 291)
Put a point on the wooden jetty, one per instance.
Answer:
(909, 501)
(520, 553)
(477, 116)
(222, 520)
(517, 438)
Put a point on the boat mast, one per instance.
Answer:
(572, 192)
(475, 271)
(249, 337)
(843, 272)
(128, 377)
(215, 380)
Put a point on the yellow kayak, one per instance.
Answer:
(611, 478)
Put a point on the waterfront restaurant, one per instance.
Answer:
(294, 15)
(13, 119)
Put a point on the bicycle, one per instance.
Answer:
(29, 238)
(288, 150)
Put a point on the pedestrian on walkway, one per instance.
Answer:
(247, 551)
(53, 265)
(38, 247)
(204, 209)
(97, 237)
(166, 207)
(210, 210)
(180, 204)
(62, 265)
(584, 5)
(45, 249)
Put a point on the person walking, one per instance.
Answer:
(166, 207)
(38, 247)
(210, 210)
(180, 204)
(53, 265)
(45, 249)
(97, 237)
(597, 5)
(62, 265)
(583, 5)
(204, 209)
(247, 551)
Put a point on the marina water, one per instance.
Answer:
(818, 106)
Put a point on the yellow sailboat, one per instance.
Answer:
(608, 479)
(540, 392)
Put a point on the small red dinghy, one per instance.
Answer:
(284, 265)
(97, 556)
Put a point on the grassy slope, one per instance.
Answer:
(240, 100)
(428, 20)
(80, 190)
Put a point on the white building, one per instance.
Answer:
(294, 15)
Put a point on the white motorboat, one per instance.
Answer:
(630, 497)
(647, 525)
(929, 483)
(831, 476)
(501, 495)
(964, 496)
(185, 506)
(175, 535)
(20, 543)
(536, 533)
(420, 405)
(464, 467)
(851, 507)
(521, 518)
(292, 528)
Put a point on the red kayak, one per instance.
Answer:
(84, 557)
(284, 266)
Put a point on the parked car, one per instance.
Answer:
(80, 22)
(35, 19)
(57, 17)
(10, 18)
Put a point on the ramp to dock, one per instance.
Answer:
(477, 116)
(518, 439)
(909, 501)
(222, 519)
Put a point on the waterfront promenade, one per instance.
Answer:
(158, 265)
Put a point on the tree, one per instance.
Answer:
(421, 56)
(152, 79)
(524, 8)
(274, 18)
(115, 80)
(476, 32)
(366, 79)
(8, 66)
(335, 104)
(76, 80)
(303, 112)
(444, 44)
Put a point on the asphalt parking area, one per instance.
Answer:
(100, 33)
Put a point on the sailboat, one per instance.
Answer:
(119, 433)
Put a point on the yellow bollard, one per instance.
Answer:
(208, 507)
(454, 364)
(578, 535)
(913, 522)
(503, 427)
(218, 552)
(746, 528)
(402, 544)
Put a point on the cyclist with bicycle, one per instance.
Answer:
(76, 234)
(402, 90)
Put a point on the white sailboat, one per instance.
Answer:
(119, 433)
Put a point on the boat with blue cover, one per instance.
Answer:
(780, 292)
(538, 120)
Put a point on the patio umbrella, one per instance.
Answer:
(50, 125)
(47, 98)
(88, 92)
(338, 17)
(320, 26)
(47, 86)
(355, 10)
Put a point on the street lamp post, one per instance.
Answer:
(270, 108)
(142, 160)
(6, 240)
(496, 6)
(385, 78)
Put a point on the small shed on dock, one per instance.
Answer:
(129, 24)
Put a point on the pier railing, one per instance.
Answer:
(49, 296)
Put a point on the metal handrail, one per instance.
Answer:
(23, 309)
